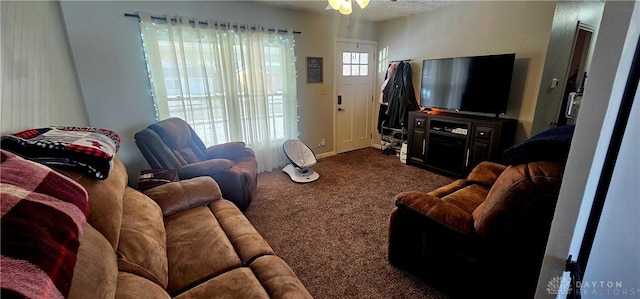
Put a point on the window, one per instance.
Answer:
(229, 84)
(383, 59)
(355, 64)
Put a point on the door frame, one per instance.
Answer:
(337, 67)
(589, 48)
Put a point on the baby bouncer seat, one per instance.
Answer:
(301, 158)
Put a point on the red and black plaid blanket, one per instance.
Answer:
(42, 216)
(89, 149)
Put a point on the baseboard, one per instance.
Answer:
(332, 153)
(325, 155)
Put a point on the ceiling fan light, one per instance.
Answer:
(363, 3)
(335, 4)
(346, 8)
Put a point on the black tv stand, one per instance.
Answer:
(454, 144)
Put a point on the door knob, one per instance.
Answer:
(340, 109)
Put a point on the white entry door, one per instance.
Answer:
(354, 85)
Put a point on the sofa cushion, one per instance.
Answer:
(96, 271)
(187, 194)
(277, 278)
(229, 150)
(177, 135)
(174, 133)
(142, 247)
(207, 167)
(134, 286)
(486, 173)
(423, 205)
(197, 248)
(515, 191)
(467, 198)
(188, 154)
(105, 200)
(247, 242)
(236, 283)
(449, 188)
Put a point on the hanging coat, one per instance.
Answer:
(385, 90)
(402, 98)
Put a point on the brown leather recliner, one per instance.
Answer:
(172, 144)
(480, 236)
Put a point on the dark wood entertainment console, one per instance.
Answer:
(454, 144)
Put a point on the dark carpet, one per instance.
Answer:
(333, 232)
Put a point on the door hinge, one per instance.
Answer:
(371, 136)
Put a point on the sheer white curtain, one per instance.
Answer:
(231, 83)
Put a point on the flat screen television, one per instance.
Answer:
(467, 84)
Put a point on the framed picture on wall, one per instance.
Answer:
(314, 69)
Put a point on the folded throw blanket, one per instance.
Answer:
(42, 216)
(89, 149)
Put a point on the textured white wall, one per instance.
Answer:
(39, 82)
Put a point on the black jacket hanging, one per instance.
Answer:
(402, 97)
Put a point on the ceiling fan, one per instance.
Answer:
(345, 7)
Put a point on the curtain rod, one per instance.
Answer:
(135, 15)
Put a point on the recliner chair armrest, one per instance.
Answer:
(184, 195)
(486, 173)
(204, 168)
(424, 205)
(230, 150)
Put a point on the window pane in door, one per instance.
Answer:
(355, 57)
(346, 57)
(364, 58)
(364, 70)
(346, 70)
(355, 70)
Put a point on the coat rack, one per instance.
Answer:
(403, 60)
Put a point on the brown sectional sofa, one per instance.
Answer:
(188, 242)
